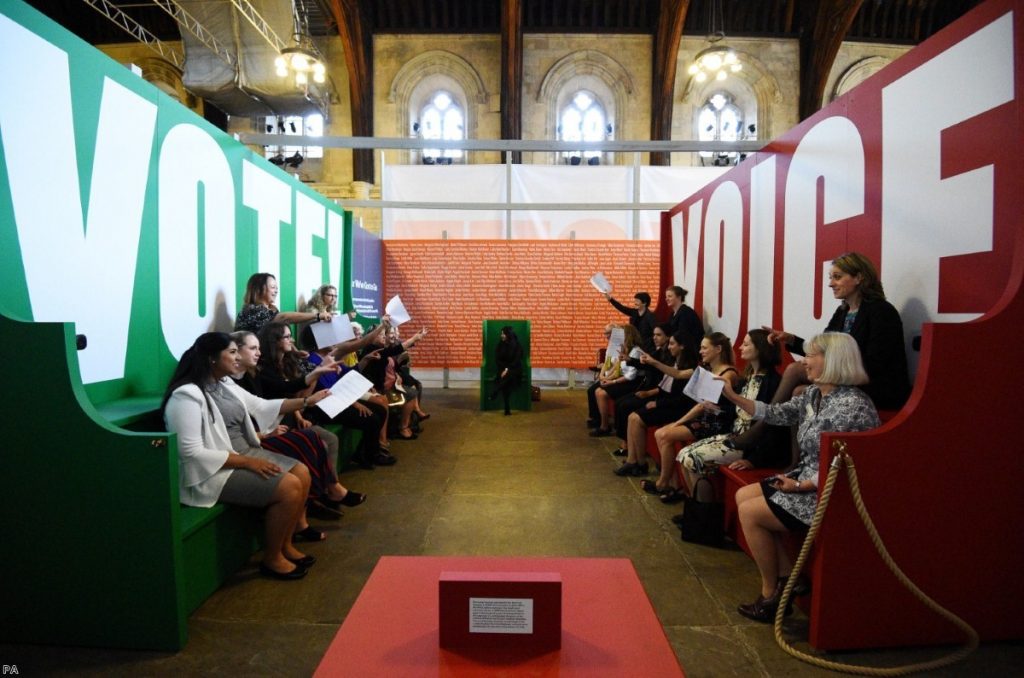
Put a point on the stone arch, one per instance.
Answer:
(591, 70)
(424, 74)
(857, 73)
(754, 87)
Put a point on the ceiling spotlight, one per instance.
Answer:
(270, 129)
(292, 125)
(277, 160)
(295, 160)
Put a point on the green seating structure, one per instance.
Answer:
(521, 397)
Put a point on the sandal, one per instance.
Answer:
(672, 495)
(309, 534)
(650, 487)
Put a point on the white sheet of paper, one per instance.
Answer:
(396, 309)
(601, 283)
(636, 352)
(615, 341)
(703, 386)
(345, 391)
(334, 332)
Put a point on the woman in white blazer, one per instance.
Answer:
(219, 454)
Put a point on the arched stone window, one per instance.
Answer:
(436, 90)
(583, 118)
(748, 99)
(720, 119)
(606, 86)
(441, 118)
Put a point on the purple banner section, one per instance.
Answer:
(367, 284)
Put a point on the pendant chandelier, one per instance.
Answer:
(302, 61)
(716, 61)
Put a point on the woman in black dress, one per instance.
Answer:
(509, 359)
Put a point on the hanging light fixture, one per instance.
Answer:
(716, 61)
(302, 61)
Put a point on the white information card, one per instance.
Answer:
(396, 309)
(501, 615)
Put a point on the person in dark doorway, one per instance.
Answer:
(640, 316)
(684, 319)
(509, 359)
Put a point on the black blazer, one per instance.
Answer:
(878, 332)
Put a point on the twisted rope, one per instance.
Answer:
(842, 458)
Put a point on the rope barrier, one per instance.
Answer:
(843, 459)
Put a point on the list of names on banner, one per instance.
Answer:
(452, 286)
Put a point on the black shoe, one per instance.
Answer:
(508, 412)
(631, 469)
(324, 509)
(384, 459)
(600, 433)
(801, 587)
(298, 573)
(620, 452)
(305, 562)
(677, 519)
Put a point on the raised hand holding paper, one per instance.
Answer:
(334, 332)
(345, 391)
(397, 311)
(703, 386)
(615, 341)
(601, 283)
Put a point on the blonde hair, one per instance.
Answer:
(843, 365)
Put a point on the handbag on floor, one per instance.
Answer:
(703, 521)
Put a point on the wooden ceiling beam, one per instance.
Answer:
(357, 40)
(819, 44)
(512, 73)
(671, 17)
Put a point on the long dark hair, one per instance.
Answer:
(687, 358)
(767, 353)
(196, 364)
(507, 349)
(285, 363)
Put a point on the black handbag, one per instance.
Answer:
(703, 521)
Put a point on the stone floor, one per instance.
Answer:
(484, 484)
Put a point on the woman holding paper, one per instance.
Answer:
(381, 372)
(621, 384)
(704, 419)
(787, 502)
(304, 444)
(258, 307)
(220, 456)
(366, 414)
(284, 372)
(668, 405)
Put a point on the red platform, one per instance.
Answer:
(608, 625)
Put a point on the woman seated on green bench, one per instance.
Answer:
(307, 445)
(787, 502)
(219, 453)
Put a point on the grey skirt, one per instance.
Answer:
(248, 488)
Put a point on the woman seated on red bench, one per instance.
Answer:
(760, 380)
(702, 421)
(873, 322)
(786, 502)
(668, 405)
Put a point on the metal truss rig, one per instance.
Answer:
(137, 31)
